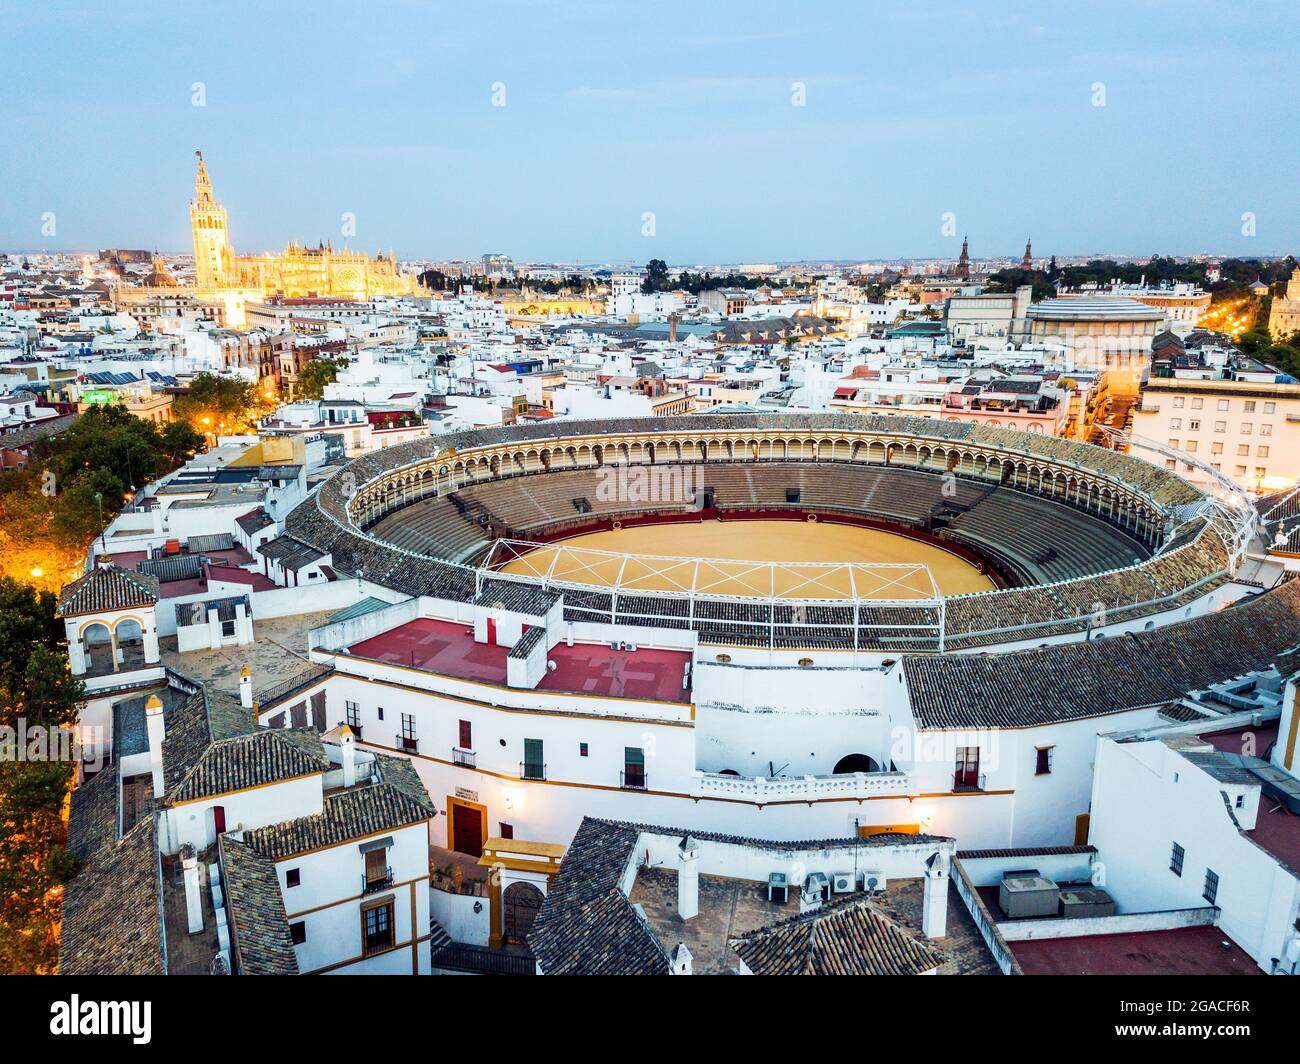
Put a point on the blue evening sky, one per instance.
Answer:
(614, 109)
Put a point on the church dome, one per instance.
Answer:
(159, 277)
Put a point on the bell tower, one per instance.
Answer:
(213, 259)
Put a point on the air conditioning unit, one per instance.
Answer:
(843, 882)
(873, 882)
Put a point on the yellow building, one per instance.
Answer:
(1284, 317)
(232, 280)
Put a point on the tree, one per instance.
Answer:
(36, 691)
(217, 405)
(656, 276)
(318, 373)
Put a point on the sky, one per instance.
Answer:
(702, 132)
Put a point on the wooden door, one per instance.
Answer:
(467, 830)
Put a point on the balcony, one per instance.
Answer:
(531, 770)
(372, 884)
(804, 788)
(632, 778)
(408, 744)
(464, 758)
(967, 781)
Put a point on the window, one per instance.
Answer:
(634, 768)
(466, 735)
(380, 711)
(1243, 449)
(1270, 408)
(378, 874)
(1043, 765)
(1261, 452)
(1266, 430)
(534, 766)
(1175, 423)
(967, 774)
(1176, 860)
(1250, 406)
(298, 932)
(1216, 448)
(292, 877)
(1178, 402)
(1190, 446)
(583, 749)
(1240, 803)
(507, 830)
(1211, 890)
(1197, 404)
(1240, 471)
(1194, 425)
(1173, 443)
(353, 712)
(408, 740)
(1223, 404)
(227, 629)
(1220, 426)
(1247, 427)
(377, 927)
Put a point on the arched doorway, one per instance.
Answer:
(97, 645)
(521, 902)
(855, 763)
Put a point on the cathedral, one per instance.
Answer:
(296, 272)
(225, 282)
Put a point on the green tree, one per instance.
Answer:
(217, 405)
(656, 276)
(316, 374)
(36, 690)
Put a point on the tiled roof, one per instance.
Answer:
(213, 746)
(847, 938)
(254, 521)
(105, 588)
(93, 814)
(586, 925)
(291, 553)
(395, 799)
(1074, 681)
(260, 926)
(111, 924)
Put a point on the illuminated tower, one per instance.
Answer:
(213, 258)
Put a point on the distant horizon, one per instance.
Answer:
(679, 131)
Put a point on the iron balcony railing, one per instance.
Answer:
(372, 884)
(408, 744)
(532, 770)
(967, 781)
(461, 756)
(632, 779)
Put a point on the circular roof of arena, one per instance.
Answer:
(1190, 537)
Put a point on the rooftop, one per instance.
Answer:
(1179, 951)
(448, 649)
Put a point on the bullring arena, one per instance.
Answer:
(787, 626)
(869, 533)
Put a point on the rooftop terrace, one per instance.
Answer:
(448, 649)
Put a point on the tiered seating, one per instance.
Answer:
(433, 527)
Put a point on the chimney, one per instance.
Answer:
(934, 904)
(246, 687)
(347, 747)
(193, 892)
(682, 960)
(157, 731)
(688, 879)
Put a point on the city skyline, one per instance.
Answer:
(722, 139)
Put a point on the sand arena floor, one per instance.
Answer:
(802, 548)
